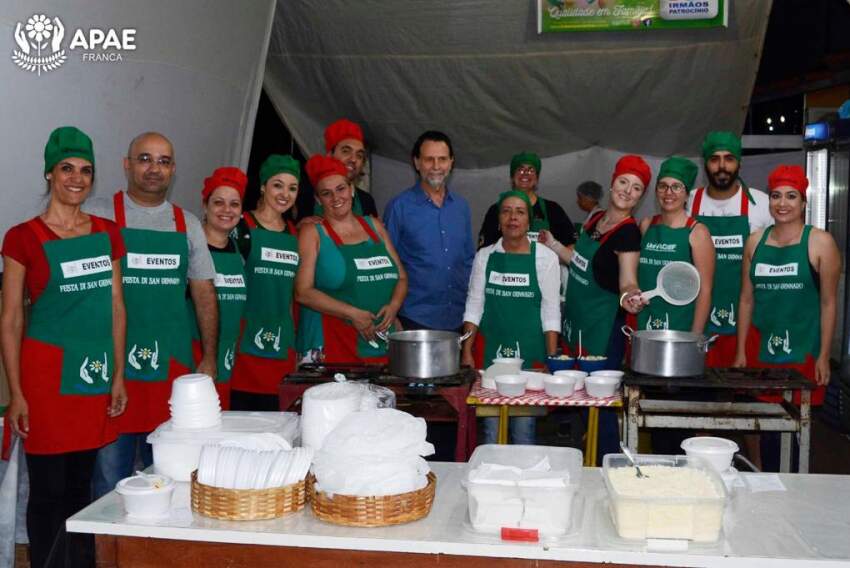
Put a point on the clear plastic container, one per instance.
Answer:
(493, 506)
(676, 517)
(176, 452)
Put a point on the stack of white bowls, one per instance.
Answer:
(194, 403)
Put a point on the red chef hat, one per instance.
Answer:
(226, 177)
(342, 129)
(788, 176)
(632, 164)
(319, 167)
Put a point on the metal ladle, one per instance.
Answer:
(632, 461)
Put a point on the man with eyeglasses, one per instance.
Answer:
(550, 224)
(731, 211)
(166, 252)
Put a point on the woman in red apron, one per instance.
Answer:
(349, 272)
(222, 198)
(787, 307)
(267, 240)
(66, 364)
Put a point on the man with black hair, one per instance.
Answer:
(431, 229)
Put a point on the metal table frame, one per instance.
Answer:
(784, 417)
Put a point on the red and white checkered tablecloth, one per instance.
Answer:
(480, 395)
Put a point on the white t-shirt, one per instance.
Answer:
(548, 278)
(161, 218)
(759, 213)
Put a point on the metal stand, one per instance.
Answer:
(784, 416)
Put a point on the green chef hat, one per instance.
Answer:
(679, 168)
(721, 140)
(514, 193)
(529, 158)
(279, 164)
(67, 142)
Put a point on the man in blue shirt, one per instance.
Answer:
(432, 232)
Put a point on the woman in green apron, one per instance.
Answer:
(222, 199)
(603, 280)
(788, 294)
(674, 236)
(350, 272)
(787, 307)
(267, 239)
(513, 306)
(65, 361)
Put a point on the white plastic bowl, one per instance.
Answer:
(514, 361)
(718, 452)
(534, 380)
(195, 386)
(146, 496)
(601, 386)
(510, 385)
(559, 386)
(608, 373)
(575, 373)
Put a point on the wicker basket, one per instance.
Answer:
(246, 504)
(372, 511)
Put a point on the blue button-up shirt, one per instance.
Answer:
(435, 245)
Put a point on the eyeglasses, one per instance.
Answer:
(526, 170)
(672, 188)
(147, 160)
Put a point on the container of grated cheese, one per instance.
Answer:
(680, 498)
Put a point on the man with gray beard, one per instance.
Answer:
(431, 229)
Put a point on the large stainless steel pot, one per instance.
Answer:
(666, 353)
(424, 354)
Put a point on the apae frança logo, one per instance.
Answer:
(32, 41)
(40, 40)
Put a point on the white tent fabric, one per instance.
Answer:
(195, 75)
(479, 71)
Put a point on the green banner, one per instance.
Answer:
(619, 15)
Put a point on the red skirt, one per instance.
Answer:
(341, 343)
(806, 368)
(260, 375)
(59, 423)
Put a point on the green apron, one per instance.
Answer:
(370, 279)
(538, 224)
(660, 246)
(154, 280)
(590, 309)
(787, 304)
(67, 354)
(230, 288)
(269, 331)
(729, 235)
(511, 323)
(74, 312)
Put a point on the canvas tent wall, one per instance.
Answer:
(479, 71)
